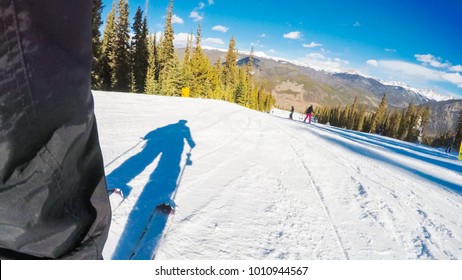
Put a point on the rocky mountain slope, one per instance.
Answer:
(444, 116)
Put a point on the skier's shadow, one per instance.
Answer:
(168, 143)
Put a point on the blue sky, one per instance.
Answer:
(410, 41)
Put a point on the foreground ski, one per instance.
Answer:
(148, 241)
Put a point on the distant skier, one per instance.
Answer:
(309, 114)
(291, 113)
(450, 144)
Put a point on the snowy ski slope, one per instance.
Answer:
(262, 186)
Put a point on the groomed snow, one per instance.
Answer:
(262, 186)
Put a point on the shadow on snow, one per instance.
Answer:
(144, 230)
(364, 151)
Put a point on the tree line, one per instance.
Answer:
(142, 63)
(451, 138)
(406, 124)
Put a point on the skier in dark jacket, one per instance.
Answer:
(53, 197)
(291, 115)
(309, 114)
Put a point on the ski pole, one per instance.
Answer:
(127, 151)
(188, 162)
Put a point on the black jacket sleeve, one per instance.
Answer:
(53, 199)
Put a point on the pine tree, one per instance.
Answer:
(426, 116)
(186, 65)
(230, 71)
(107, 51)
(352, 114)
(216, 91)
(411, 120)
(200, 65)
(394, 124)
(379, 117)
(249, 102)
(344, 117)
(121, 55)
(139, 50)
(171, 81)
(151, 82)
(166, 46)
(403, 125)
(96, 44)
(361, 118)
(240, 91)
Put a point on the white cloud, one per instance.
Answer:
(456, 68)
(272, 51)
(220, 28)
(429, 59)
(181, 39)
(391, 50)
(263, 35)
(316, 56)
(454, 78)
(321, 62)
(410, 69)
(177, 19)
(196, 16)
(357, 24)
(372, 62)
(295, 35)
(341, 61)
(419, 73)
(213, 41)
(312, 45)
(202, 5)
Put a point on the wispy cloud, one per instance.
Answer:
(220, 28)
(416, 72)
(181, 39)
(372, 62)
(431, 60)
(177, 19)
(454, 78)
(213, 41)
(456, 68)
(391, 50)
(357, 24)
(437, 62)
(312, 45)
(320, 61)
(263, 35)
(196, 16)
(294, 35)
(202, 5)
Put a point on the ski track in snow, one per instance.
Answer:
(321, 200)
(265, 187)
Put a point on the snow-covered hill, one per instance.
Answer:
(261, 186)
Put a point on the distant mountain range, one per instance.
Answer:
(300, 86)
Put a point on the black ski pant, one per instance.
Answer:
(53, 198)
